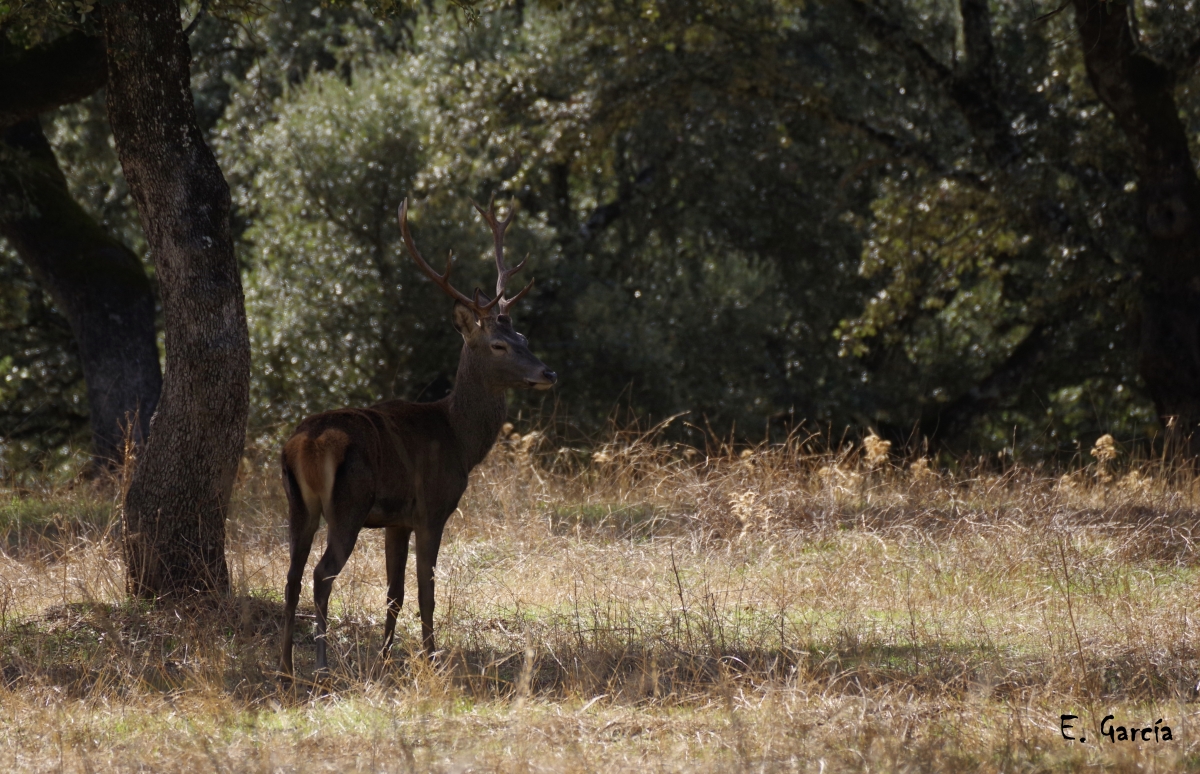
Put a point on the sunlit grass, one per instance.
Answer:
(642, 608)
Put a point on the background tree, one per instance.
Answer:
(1004, 234)
(1139, 89)
(654, 286)
(93, 279)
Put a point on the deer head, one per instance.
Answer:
(500, 354)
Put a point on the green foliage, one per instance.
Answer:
(658, 264)
(335, 315)
(759, 212)
(43, 400)
(1017, 270)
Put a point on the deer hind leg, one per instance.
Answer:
(396, 550)
(302, 526)
(337, 552)
(344, 516)
(428, 542)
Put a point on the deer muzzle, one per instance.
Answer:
(547, 380)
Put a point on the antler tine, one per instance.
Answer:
(484, 306)
(507, 302)
(489, 214)
(498, 228)
(441, 280)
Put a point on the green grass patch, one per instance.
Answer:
(34, 522)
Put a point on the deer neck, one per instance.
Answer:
(476, 411)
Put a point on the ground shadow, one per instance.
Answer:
(231, 646)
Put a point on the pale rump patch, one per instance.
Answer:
(314, 462)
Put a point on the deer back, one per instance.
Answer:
(407, 454)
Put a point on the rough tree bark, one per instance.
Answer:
(174, 530)
(1140, 94)
(94, 280)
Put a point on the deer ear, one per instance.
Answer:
(465, 320)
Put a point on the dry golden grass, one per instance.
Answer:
(643, 608)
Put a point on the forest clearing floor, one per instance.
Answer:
(639, 608)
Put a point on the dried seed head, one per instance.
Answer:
(1105, 449)
(1135, 482)
(749, 510)
(876, 450)
(920, 470)
(828, 472)
(531, 441)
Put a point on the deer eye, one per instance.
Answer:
(499, 347)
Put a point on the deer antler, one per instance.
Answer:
(442, 280)
(503, 274)
(481, 307)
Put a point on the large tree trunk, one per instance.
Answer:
(1140, 93)
(94, 280)
(174, 531)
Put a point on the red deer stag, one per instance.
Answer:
(403, 466)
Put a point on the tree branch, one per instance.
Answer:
(903, 148)
(47, 76)
(188, 30)
(972, 88)
(887, 30)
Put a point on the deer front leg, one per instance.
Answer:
(428, 543)
(395, 543)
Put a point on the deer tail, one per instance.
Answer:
(313, 463)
